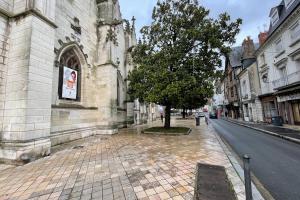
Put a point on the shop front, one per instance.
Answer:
(289, 106)
(270, 108)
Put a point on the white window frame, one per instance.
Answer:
(275, 17)
(278, 45)
(244, 87)
(294, 33)
(288, 3)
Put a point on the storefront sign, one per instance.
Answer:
(290, 97)
(69, 89)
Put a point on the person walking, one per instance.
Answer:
(162, 117)
(206, 119)
(197, 117)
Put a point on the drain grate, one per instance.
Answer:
(212, 183)
(78, 147)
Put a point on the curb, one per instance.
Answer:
(267, 132)
(166, 133)
(237, 167)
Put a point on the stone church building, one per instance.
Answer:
(63, 69)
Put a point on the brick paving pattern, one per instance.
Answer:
(125, 166)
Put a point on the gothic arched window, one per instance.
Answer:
(69, 76)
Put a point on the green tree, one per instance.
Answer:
(179, 55)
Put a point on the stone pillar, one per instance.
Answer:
(107, 64)
(259, 110)
(27, 108)
(4, 45)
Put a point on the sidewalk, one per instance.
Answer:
(124, 166)
(282, 132)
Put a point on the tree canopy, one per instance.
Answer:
(179, 56)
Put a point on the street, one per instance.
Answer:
(275, 162)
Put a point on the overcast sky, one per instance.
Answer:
(253, 12)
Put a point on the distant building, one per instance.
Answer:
(232, 68)
(279, 64)
(249, 83)
(218, 101)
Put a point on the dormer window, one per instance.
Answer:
(274, 17)
(288, 3)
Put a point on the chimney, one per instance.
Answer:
(248, 48)
(262, 37)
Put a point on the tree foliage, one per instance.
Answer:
(179, 55)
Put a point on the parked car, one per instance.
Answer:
(213, 115)
(201, 114)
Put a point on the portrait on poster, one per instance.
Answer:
(69, 89)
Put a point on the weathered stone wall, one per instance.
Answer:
(102, 62)
(4, 45)
(32, 115)
(28, 83)
(26, 121)
(64, 119)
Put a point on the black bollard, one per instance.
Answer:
(197, 121)
(247, 176)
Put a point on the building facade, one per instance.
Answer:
(249, 83)
(218, 101)
(279, 64)
(62, 73)
(232, 68)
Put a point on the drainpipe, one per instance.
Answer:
(240, 96)
(259, 83)
(259, 92)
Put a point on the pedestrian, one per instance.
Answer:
(162, 117)
(206, 120)
(197, 117)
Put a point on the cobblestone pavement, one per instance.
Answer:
(124, 166)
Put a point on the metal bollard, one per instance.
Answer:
(247, 176)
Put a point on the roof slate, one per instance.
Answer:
(283, 14)
(235, 56)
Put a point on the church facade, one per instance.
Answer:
(63, 69)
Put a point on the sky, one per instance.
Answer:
(255, 13)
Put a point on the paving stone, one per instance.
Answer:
(126, 166)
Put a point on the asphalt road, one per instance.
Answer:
(275, 162)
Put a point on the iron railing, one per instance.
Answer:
(287, 80)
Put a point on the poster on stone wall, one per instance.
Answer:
(69, 89)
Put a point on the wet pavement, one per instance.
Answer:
(124, 166)
(274, 161)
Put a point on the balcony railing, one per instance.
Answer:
(289, 79)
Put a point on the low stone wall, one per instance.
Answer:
(58, 138)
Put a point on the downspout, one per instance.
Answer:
(260, 91)
(240, 95)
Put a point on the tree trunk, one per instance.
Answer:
(168, 116)
(183, 113)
